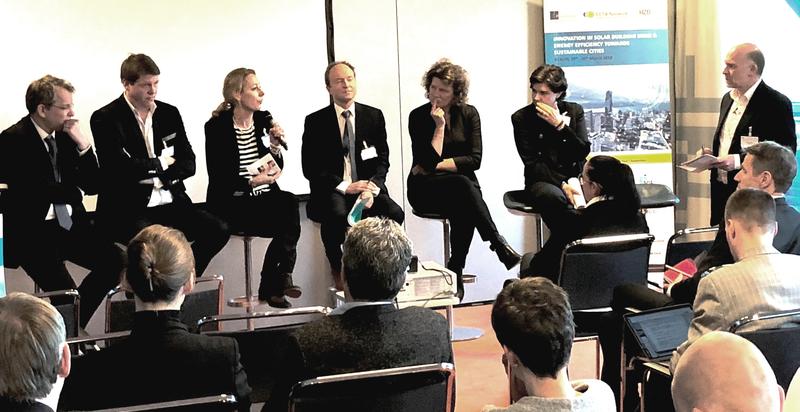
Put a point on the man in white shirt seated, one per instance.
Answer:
(725, 372)
(532, 318)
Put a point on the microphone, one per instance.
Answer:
(280, 138)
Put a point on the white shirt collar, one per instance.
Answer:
(748, 94)
(136, 112)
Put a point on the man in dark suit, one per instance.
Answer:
(144, 157)
(367, 332)
(345, 158)
(48, 164)
(36, 358)
(751, 112)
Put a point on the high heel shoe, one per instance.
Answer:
(505, 253)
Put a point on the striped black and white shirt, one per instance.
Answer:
(248, 153)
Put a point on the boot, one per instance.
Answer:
(505, 252)
(289, 288)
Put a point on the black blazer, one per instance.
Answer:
(124, 160)
(462, 139)
(603, 218)
(551, 155)
(786, 241)
(769, 113)
(363, 338)
(323, 154)
(160, 361)
(222, 158)
(25, 167)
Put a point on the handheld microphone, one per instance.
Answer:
(280, 138)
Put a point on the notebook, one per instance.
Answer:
(659, 331)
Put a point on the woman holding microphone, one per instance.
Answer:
(447, 149)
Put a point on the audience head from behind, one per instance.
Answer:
(750, 222)
(548, 84)
(160, 268)
(722, 371)
(768, 166)
(607, 176)
(446, 84)
(376, 254)
(34, 356)
(139, 75)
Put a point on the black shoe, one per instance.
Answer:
(505, 253)
(290, 289)
(279, 302)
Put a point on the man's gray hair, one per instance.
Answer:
(31, 334)
(376, 254)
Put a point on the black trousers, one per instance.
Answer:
(720, 193)
(459, 199)
(208, 233)
(84, 246)
(272, 214)
(332, 209)
(549, 200)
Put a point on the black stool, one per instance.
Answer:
(457, 333)
(516, 203)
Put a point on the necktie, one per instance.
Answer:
(349, 144)
(62, 214)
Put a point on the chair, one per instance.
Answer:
(457, 333)
(428, 388)
(688, 243)
(222, 402)
(70, 311)
(261, 349)
(516, 201)
(198, 304)
(654, 195)
(777, 335)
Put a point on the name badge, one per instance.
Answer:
(748, 141)
(566, 119)
(369, 153)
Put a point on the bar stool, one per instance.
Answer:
(248, 301)
(516, 203)
(457, 333)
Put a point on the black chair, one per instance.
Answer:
(262, 348)
(689, 243)
(222, 402)
(656, 195)
(517, 202)
(205, 300)
(68, 304)
(777, 335)
(428, 388)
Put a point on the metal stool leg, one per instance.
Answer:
(457, 333)
(248, 300)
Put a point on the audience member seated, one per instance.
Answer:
(161, 360)
(447, 147)
(767, 166)
(34, 356)
(612, 208)
(725, 372)
(238, 135)
(761, 280)
(368, 332)
(533, 322)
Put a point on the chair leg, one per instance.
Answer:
(457, 333)
(248, 300)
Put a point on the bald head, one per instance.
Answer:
(744, 64)
(725, 372)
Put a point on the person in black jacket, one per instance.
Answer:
(447, 149)
(243, 187)
(161, 360)
(550, 134)
(612, 208)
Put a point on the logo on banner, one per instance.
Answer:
(553, 14)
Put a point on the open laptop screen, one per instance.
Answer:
(660, 331)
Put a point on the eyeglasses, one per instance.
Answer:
(67, 107)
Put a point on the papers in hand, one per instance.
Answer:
(355, 213)
(578, 199)
(266, 163)
(699, 164)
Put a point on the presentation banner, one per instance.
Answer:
(615, 54)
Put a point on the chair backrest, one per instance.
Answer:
(778, 340)
(688, 243)
(68, 304)
(428, 388)
(222, 402)
(592, 267)
(205, 300)
(262, 349)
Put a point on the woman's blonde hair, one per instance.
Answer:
(234, 82)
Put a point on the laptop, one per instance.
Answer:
(659, 331)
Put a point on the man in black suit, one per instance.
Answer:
(345, 158)
(48, 164)
(367, 332)
(144, 157)
(751, 112)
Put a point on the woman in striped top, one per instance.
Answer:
(244, 160)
